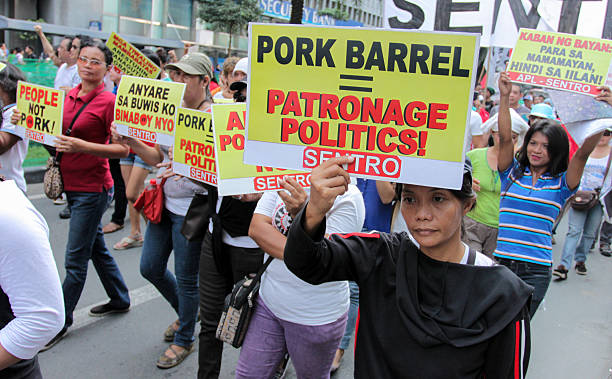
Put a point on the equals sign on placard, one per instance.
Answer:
(361, 78)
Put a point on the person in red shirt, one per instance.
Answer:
(88, 183)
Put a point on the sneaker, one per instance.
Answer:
(581, 268)
(605, 250)
(560, 272)
(58, 337)
(106, 309)
(65, 213)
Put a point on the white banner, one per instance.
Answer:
(499, 20)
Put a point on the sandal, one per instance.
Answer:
(128, 243)
(170, 332)
(165, 361)
(111, 227)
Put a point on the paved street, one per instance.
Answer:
(572, 335)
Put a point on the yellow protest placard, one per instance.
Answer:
(145, 109)
(561, 61)
(2, 66)
(194, 146)
(42, 112)
(233, 176)
(396, 100)
(129, 59)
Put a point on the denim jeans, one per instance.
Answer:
(605, 235)
(85, 242)
(583, 227)
(536, 275)
(180, 289)
(352, 316)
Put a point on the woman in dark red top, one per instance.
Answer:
(88, 183)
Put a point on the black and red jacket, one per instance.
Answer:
(419, 317)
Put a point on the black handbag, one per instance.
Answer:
(239, 307)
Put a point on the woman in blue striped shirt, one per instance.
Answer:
(535, 185)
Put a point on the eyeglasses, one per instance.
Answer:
(607, 133)
(94, 62)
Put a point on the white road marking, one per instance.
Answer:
(138, 296)
(37, 196)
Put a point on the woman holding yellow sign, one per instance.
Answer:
(84, 148)
(160, 240)
(432, 307)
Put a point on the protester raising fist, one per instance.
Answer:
(328, 181)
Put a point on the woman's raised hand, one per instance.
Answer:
(505, 85)
(328, 181)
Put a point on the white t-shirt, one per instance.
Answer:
(475, 129)
(287, 296)
(67, 76)
(593, 174)
(219, 95)
(244, 242)
(11, 162)
(28, 275)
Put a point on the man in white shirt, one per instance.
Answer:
(31, 300)
(13, 144)
(67, 76)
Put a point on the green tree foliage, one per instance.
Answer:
(230, 16)
(337, 9)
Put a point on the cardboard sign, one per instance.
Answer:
(145, 109)
(194, 146)
(562, 61)
(234, 176)
(129, 59)
(397, 101)
(42, 112)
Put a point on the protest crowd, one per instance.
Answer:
(441, 282)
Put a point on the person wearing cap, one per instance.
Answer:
(535, 184)
(540, 111)
(528, 100)
(430, 307)
(181, 288)
(481, 223)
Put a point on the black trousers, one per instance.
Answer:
(214, 287)
(121, 201)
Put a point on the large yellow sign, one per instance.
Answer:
(561, 61)
(42, 112)
(234, 176)
(194, 146)
(398, 101)
(146, 109)
(129, 59)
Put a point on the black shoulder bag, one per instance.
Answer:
(52, 182)
(238, 308)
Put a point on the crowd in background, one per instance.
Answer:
(341, 251)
